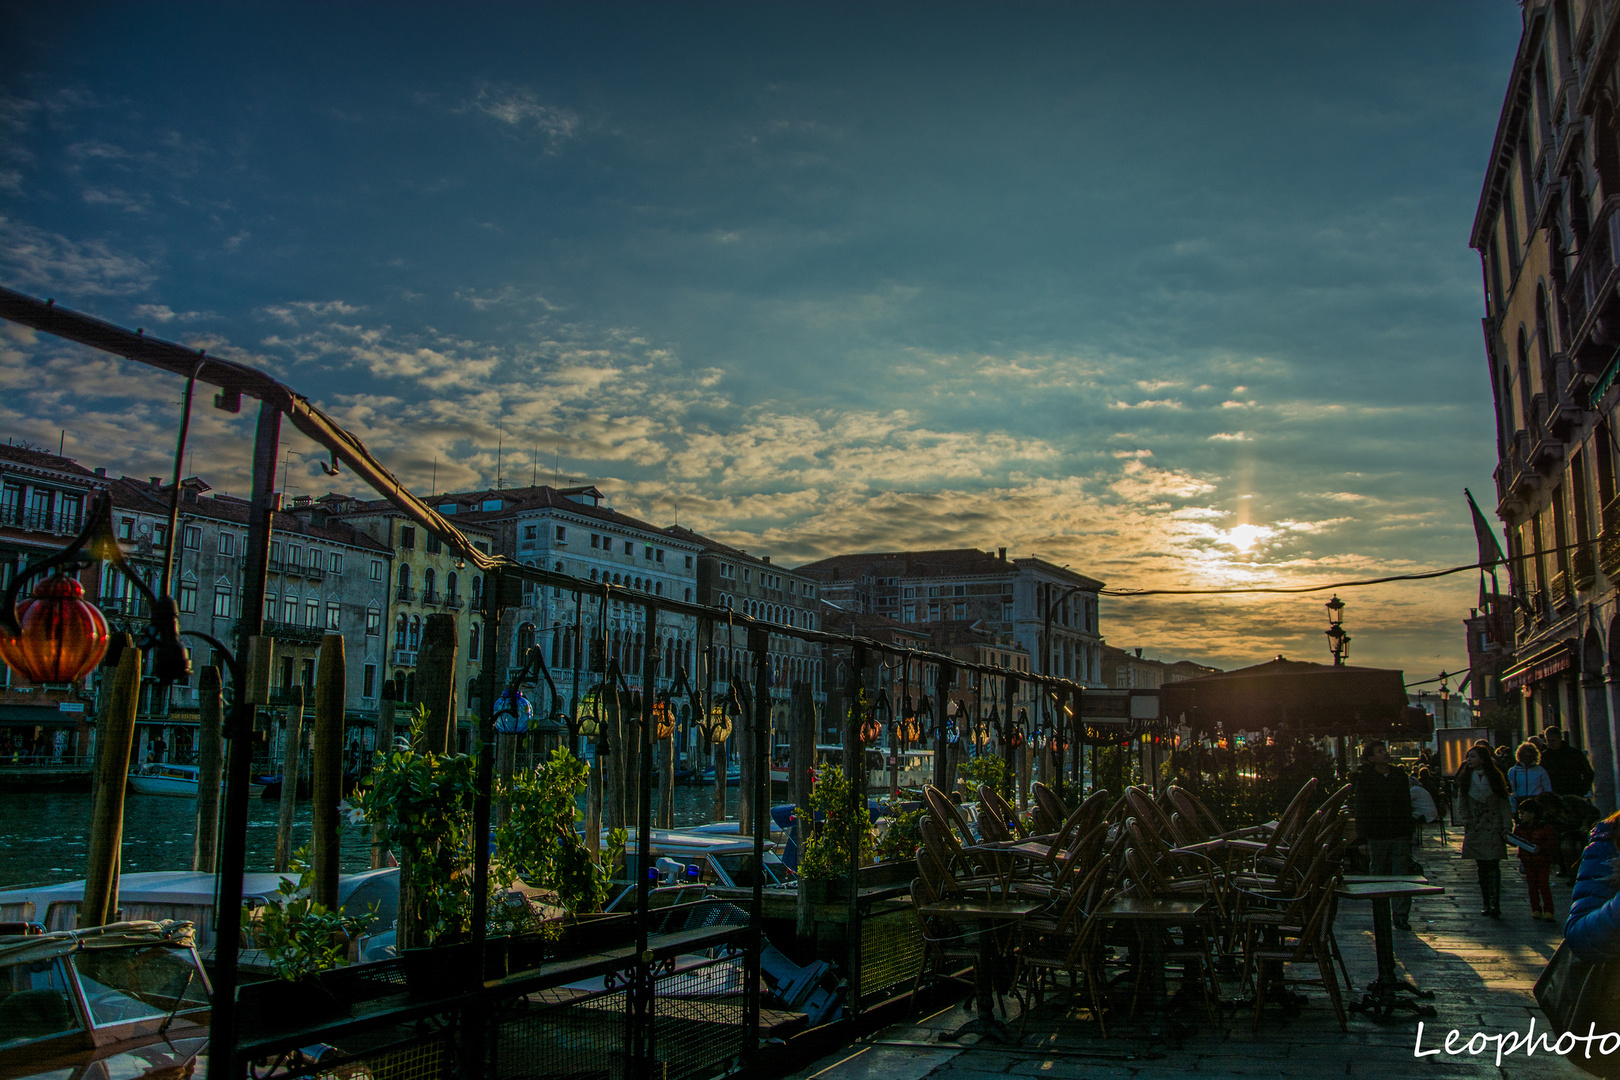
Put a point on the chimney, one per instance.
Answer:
(1139, 654)
(157, 481)
(101, 471)
(1002, 554)
(766, 559)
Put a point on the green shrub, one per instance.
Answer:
(826, 851)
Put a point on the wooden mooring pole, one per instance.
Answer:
(326, 783)
(210, 768)
(100, 902)
(385, 744)
(292, 741)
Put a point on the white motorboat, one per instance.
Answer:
(162, 778)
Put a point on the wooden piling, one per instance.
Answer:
(100, 904)
(720, 782)
(326, 783)
(801, 759)
(210, 767)
(666, 782)
(436, 682)
(292, 745)
(385, 744)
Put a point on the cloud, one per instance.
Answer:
(1230, 436)
(39, 259)
(520, 110)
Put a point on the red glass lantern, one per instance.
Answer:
(63, 635)
(663, 719)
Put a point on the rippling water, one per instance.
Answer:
(44, 835)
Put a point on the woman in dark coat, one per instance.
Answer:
(1482, 805)
(1593, 926)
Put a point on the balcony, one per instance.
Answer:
(1565, 410)
(430, 596)
(1590, 294)
(1608, 553)
(313, 572)
(1583, 567)
(130, 606)
(42, 521)
(289, 633)
(452, 601)
(405, 594)
(1562, 590)
(405, 657)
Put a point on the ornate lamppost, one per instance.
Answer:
(1338, 640)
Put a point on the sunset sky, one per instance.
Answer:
(1176, 294)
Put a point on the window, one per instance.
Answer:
(407, 538)
(373, 622)
(193, 537)
(227, 543)
(188, 596)
(368, 687)
(275, 551)
(295, 555)
(648, 555)
(405, 581)
(689, 562)
(312, 612)
(688, 596)
(416, 631)
(958, 590)
(562, 534)
(376, 569)
(334, 565)
(531, 532)
(160, 535)
(960, 610)
(222, 601)
(472, 643)
(126, 528)
(434, 544)
(596, 540)
(333, 612)
(748, 575)
(490, 504)
(401, 624)
(447, 508)
(658, 556)
(629, 548)
(289, 610)
(593, 573)
(316, 560)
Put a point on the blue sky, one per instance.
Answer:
(1176, 294)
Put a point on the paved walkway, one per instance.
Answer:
(1481, 971)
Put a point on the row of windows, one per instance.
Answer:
(289, 609)
(776, 613)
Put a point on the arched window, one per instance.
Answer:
(399, 683)
(1525, 417)
(593, 573)
(472, 693)
(473, 641)
(428, 579)
(416, 631)
(478, 592)
(404, 581)
(451, 584)
(401, 624)
(525, 641)
(410, 687)
(1544, 340)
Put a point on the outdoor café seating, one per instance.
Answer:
(1126, 890)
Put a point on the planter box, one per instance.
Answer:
(442, 971)
(274, 1006)
(876, 876)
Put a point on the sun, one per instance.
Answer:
(1244, 537)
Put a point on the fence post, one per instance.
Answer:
(385, 744)
(757, 752)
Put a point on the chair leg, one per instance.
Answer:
(1096, 1001)
(1333, 943)
(1259, 994)
(1325, 965)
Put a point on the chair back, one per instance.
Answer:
(1052, 808)
(1080, 858)
(948, 814)
(991, 803)
(1335, 802)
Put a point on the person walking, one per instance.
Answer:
(1527, 778)
(1482, 805)
(1383, 804)
(1537, 857)
(1568, 771)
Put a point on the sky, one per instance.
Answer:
(1176, 295)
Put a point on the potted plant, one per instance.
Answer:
(824, 865)
(300, 939)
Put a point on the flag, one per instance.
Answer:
(1490, 552)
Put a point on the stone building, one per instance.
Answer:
(1548, 230)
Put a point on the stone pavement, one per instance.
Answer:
(1481, 971)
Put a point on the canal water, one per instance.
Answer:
(44, 836)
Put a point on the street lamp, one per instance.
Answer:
(1445, 700)
(1338, 640)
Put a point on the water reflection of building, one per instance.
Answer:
(1548, 230)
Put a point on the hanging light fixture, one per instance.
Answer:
(62, 636)
(663, 718)
(590, 712)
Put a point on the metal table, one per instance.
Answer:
(987, 913)
(1153, 917)
(1384, 996)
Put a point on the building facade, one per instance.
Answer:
(1048, 611)
(1548, 230)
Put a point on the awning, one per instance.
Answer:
(41, 716)
(1559, 656)
(1311, 699)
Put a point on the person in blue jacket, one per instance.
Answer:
(1593, 926)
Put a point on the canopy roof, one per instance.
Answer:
(1311, 699)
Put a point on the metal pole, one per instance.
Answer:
(494, 597)
(942, 749)
(210, 763)
(855, 763)
(326, 779)
(641, 1018)
(238, 757)
(759, 644)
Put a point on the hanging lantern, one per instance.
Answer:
(63, 635)
(663, 719)
(513, 712)
(718, 728)
(590, 713)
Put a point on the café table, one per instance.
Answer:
(1151, 917)
(1384, 997)
(988, 913)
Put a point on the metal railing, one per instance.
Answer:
(54, 522)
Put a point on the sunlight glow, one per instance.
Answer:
(1243, 537)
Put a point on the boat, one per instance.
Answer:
(188, 896)
(733, 775)
(87, 1002)
(916, 766)
(163, 778)
(706, 858)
